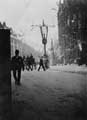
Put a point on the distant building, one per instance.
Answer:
(17, 43)
(13, 37)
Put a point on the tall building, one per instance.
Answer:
(72, 25)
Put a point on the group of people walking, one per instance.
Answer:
(19, 63)
(29, 63)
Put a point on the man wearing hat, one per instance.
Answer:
(17, 66)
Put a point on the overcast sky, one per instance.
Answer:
(21, 14)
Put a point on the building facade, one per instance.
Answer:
(72, 25)
(15, 41)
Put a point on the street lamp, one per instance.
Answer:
(44, 34)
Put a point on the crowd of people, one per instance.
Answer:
(29, 63)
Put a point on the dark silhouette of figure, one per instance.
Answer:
(24, 62)
(17, 66)
(34, 64)
(28, 67)
(46, 63)
(31, 61)
(41, 64)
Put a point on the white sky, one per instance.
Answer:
(21, 14)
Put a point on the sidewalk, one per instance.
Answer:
(70, 68)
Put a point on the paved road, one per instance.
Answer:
(50, 95)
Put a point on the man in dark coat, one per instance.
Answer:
(41, 64)
(31, 61)
(17, 66)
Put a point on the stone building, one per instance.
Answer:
(72, 25)
(14, 42)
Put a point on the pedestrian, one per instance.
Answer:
(41, 64)
(24, 60)
(47, 63)
(17, 66)
(28, 67)
(34, 63)
(31, 62)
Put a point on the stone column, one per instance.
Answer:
(5, 75)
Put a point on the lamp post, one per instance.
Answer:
(44, 34)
